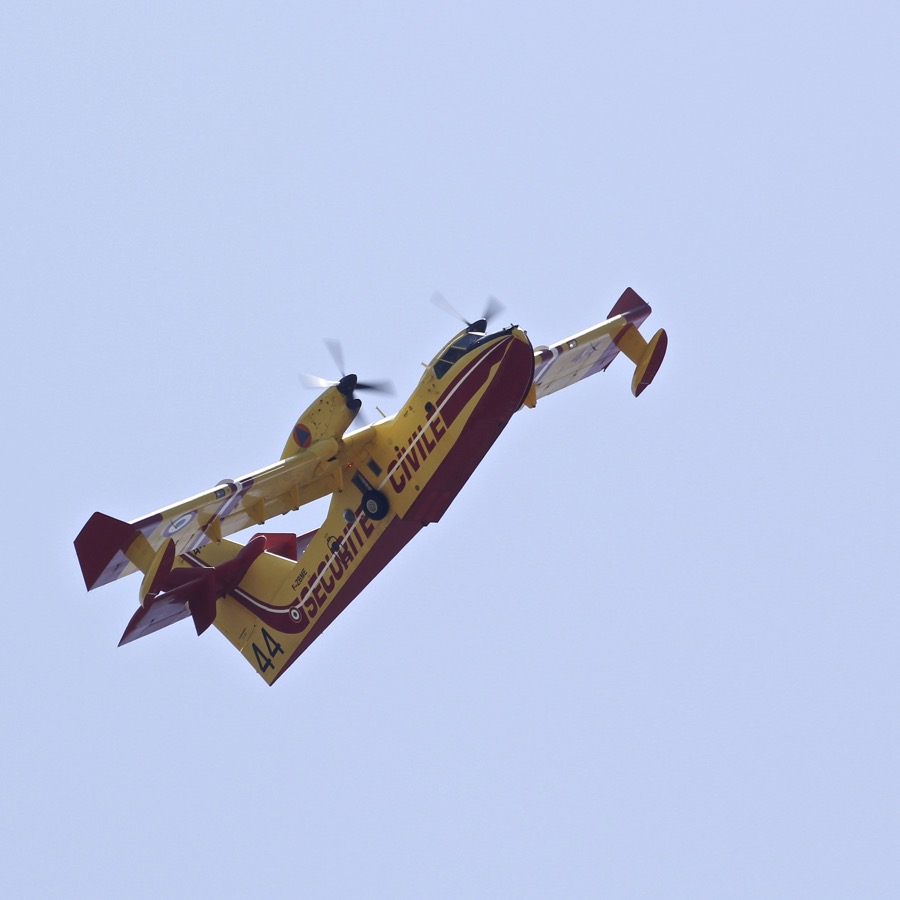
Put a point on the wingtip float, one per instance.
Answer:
(275, 595)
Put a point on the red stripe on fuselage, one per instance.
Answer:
(392, 540)
(512, 362)
(504, 395)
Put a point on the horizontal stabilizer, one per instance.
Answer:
(170, 594)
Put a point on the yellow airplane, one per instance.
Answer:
(273, 596)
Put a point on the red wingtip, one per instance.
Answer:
(657, 353)
(100, 547)
(632, 306)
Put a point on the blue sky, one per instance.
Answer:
(651, 650)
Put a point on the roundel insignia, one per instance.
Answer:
(177, 524)
(302, 435)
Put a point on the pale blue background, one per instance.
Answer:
(651, 651)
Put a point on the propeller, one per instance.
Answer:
(492, 308)
(348, 383)
(337, 354)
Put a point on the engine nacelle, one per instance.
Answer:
(330, 415)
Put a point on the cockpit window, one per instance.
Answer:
(459, 348)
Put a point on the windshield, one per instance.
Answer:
(459, 348)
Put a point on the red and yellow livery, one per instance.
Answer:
(275, 595)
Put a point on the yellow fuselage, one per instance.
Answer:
(418, 461)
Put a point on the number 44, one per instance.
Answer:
(273, 648)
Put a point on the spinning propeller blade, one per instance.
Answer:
(352, 382)
(315, 381)
(337, 354)
(492, 308)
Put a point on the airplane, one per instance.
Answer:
(273, 596)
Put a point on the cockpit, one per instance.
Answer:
(454, 352)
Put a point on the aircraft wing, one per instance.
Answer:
(230, 506)
(591, 351)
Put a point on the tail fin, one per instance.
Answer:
(169, 592)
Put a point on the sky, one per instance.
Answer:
(651, 649)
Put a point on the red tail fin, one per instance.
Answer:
(175, 593)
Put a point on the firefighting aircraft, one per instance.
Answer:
(273, 596)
